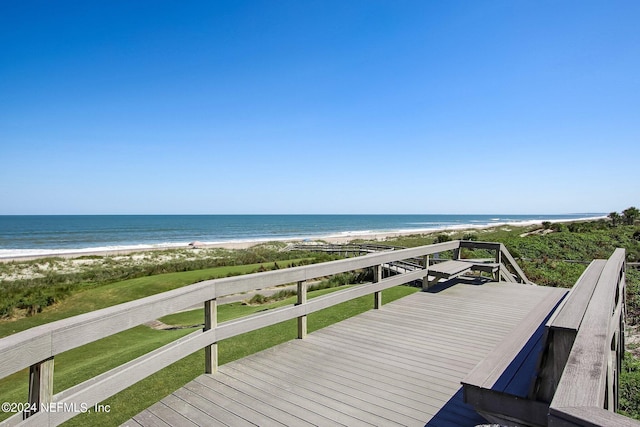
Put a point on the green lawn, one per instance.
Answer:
(85, 362)
(124, 291)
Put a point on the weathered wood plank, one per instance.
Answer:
(41, 383)
(420, 343)
(570, 314)
(412, 396)
(436, 364)
(409, 353)
(258, 412)
(190, 412)
(222, 414)
(562, 328)
(328, 407)
(168, 415)
(264, 394)
(375, 407)
(146, 418)
(358, 385)
(450, 268)
(583, 382)
(588, 417)
(437, 384)
(394, 365)
(29, 347)
(514, 265)
(488, 372)
(249, 323)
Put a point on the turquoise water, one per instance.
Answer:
(35, 235)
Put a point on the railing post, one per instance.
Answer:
(210, 322)
(496, 275)
(425, 279)
(302, 320)
(377, 296)
(40, 386)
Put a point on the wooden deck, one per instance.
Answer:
(399, 365)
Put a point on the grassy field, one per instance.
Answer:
(29, 287)
(80, 364)
(103, 296)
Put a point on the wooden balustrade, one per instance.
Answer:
(586, 393)
(37, 347)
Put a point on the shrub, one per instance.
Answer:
(441, 238)
(630, 386)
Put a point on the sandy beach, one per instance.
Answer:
(235, 245)
(221, 245)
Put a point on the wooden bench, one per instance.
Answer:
(560, 366)
(562, 329)
(498, 386)
(447, 270)
(454, 268)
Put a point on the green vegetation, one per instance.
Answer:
(128, 290)
(552, 255)
(630, 387)
(557, 254)
(85, 362)
(42, 283)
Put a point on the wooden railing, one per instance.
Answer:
(579, 352)
(36, 348)
(509, 269)
(587, 392)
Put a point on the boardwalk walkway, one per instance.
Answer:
(399, 365)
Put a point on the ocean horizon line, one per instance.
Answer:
(31, 236)
(306, 214)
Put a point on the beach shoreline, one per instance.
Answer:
(239, 245)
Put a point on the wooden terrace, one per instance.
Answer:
(491, 346)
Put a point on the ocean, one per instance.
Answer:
(32, 235)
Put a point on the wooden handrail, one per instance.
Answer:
(36, 347)
(587, 390)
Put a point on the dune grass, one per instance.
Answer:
(127, 290)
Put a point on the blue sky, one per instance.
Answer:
(370, 106)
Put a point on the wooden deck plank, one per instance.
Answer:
(163, 412)
(359, 397)
(415, 342)
(146, 418)
(380, 402)
(284, 396)
(254, 396)
(437, 371)
(198, 405)
(439, 337)
(306, 397)
(488, 373)
(450, 268)
(173, 414)
(396, 390)
(390, 375)
(408, 356)
(400, 365)
(229, 401)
